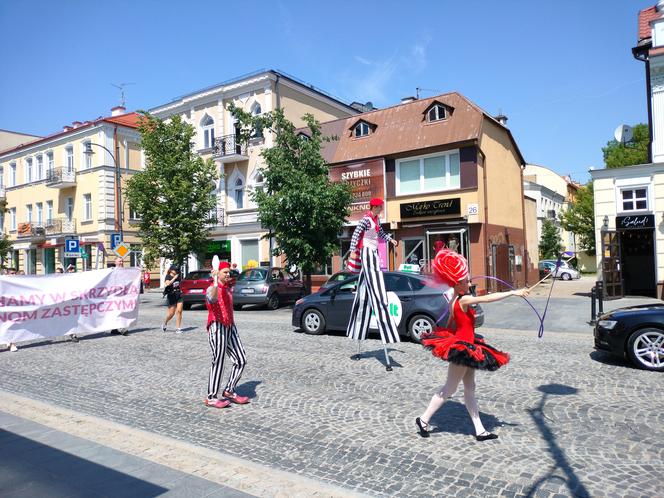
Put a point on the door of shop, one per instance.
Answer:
(502, 259)
(49, 260)
(637, 251)
(611, 271)
(455, 239)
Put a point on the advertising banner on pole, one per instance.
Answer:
(33, 307)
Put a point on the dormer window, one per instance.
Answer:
(362, 129)
(436, 113)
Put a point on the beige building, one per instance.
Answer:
(54, 191)
(237, 236)
(629, 224)
(11, 139)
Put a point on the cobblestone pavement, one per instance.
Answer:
(572, 422)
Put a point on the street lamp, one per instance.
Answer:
(118, 191)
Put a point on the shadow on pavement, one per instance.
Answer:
(542, 422)
(30, 468)
(453, 418)
(609, 359)
(249, 388)
(378, 354)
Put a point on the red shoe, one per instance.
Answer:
(217, 403)
(236, 398)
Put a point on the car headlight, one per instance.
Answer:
(607, 324)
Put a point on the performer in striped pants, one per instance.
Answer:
(371, 293)
(224, 340)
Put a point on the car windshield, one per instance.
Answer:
(198, 275)
(253, 275)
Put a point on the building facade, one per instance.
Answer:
(54, 191)
(629, 224)
(237, 235)
(11, 139)
(451, 176)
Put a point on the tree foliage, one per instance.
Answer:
(174, 194)
(298, 204)
(549, 245)
(580, 218)
(5, 242)
(617, 155)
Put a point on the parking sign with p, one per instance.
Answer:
(72, 248)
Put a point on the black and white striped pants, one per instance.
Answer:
(224, 341)
(371, 295)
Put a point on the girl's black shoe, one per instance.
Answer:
(485, 436)
(423, 427)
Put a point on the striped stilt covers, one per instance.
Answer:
(224, 341)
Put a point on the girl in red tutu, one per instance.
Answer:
(458, 344)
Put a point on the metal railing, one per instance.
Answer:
(60, 175)
(57, 226)
(228, 145)
(216, 216)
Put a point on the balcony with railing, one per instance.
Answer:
(229, 149)
(39, 230)
(60, 177)
(216, 217)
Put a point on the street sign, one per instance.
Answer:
(116, 239)
(72, 248)
(122, 250)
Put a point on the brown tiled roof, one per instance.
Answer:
(645, 17)
(130, 120)
(403, 128)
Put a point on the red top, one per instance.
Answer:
(222, 310)
(465, 323)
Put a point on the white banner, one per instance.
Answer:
(32, 307)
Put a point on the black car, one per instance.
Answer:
(419, 305)
(636, 332)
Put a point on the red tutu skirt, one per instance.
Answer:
(447, 346)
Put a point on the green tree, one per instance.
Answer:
(298, 204)
(5, 243)
(549, 245)
(580, 218)
(173, 195)
(617, 155)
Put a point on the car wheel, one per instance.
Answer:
(186, 306)
(237, 307)
(313, 322)
(418, 325)
(566, 276)
(273, 301)
(645, 348)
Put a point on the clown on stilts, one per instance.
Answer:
(458, 344)
(371, 293)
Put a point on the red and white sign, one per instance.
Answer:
(32, 307)
(366, 181)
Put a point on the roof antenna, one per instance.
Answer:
(121, 87)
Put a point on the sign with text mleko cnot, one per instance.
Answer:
(635, 222)
(438, 207)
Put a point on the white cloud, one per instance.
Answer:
(362, 60)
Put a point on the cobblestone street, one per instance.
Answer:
(571, 421)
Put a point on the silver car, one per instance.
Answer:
(564, 271)
(270, 287)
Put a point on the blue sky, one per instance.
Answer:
(561, 71)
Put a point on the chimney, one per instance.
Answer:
(406, 100)
(67, 128)
(502, 119)
(118, 110)
(660, 6)
(76, 124)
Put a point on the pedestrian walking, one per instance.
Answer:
(458, 344)
(223, 339)
(371, 293)
(173, 294)
(146, 278)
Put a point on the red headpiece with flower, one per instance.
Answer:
(450, 267)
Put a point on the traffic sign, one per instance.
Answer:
(72, 248)
(116, 239)
(122, 250)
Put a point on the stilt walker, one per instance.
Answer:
(371, 293)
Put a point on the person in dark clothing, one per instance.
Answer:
(173, 294)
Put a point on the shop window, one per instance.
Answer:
(413, 251)
(325, 269)
(428, 174)
(634, 199)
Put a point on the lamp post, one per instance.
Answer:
(118, 191)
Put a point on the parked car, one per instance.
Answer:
(564, 271)
(195, 284)
(635, 332)
(544, 270)
(270, 287)
(335, 279)
(421, 305)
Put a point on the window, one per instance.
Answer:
(49, 161)
(28, 210)
(12, 219)
(436, 113)
(428, 174)
(28, 170)
(69, 208)
(69, 152)
(239, 193)
(2, 179)
(634, 199)
(133, 214)
(207, 126)
(87, 158)
(12, 174)
(396, 283)
(361, 129)
(40, 168)
(256, 111)
(40, 212)
(49, 211)
(87, 207)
